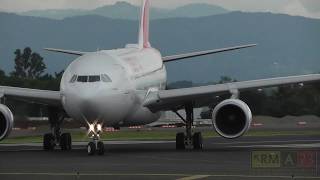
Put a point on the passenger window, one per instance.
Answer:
(82, 79)
(94, 78)
(105, 78)
(73, 79)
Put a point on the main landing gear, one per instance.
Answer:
(95, 146)
(50, 140)
(188, 139)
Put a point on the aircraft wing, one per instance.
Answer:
(203, 53)
(52, 98)
(202, 96)
(78, 53)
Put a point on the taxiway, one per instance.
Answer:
(220, 158)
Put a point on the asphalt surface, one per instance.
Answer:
(278, 157)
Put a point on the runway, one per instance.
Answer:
(244, 158)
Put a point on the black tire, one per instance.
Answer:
(65, 142)
(69, 141)
(197, 141)
(48, 142)
(100, 149)
(91, 148)
(180, 138)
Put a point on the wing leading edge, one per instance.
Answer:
(202, 96)
(78, 53)
(203, 53)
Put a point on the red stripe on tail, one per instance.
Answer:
(144, 25)
(146, 43)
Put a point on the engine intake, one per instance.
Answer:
(6, 121)
(231, 118)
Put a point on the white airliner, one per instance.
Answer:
(125, 87)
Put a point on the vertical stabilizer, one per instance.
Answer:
(144, 25)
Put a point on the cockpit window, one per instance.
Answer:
(105, 78)
(94, 78)
(82, 79)
(73, 79)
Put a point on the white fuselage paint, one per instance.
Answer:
(133, 72)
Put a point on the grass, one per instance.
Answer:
(157, 135)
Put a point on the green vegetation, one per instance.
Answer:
(157, 135)
(29, 72)
(28, 64)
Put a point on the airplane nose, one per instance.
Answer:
(88, 104)
(102, 104)
(89, 110)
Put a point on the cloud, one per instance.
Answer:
(246, 5)
(25, 5)
(311, 5)
(303, 8)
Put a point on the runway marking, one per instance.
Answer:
(313, 145)
(159, 142)
(194, 177)
(143, 174)
(258, 142)
(85, 143)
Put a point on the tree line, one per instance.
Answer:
(29, 72)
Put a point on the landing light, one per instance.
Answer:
(95, 128)
(99, 127)
(91, 127)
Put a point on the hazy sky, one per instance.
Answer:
(308, 8)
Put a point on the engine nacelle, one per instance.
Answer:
(231, 118)
(6, 121)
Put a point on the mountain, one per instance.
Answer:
(196, 10)
(124, 10)
(54, 13)
(288, 45)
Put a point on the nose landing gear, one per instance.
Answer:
(95, 145)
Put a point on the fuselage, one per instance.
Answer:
(110, 86)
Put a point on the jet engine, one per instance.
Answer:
(6, 121)
(231, 118)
